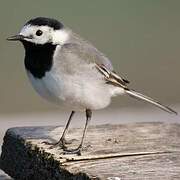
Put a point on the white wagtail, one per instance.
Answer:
(64, 68)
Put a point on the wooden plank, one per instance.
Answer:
(129, 151)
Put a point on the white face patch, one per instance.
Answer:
(49, 35)
(60, 37)
(30, 31)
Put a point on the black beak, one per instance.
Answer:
(17, 37)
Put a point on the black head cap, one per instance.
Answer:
(43, 21)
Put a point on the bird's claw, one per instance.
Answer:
(73, 151)
(61, 143)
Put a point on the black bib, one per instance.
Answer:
(38, 58)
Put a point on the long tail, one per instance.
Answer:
(140, 96)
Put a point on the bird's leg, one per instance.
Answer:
(62, 141)
(79, 148)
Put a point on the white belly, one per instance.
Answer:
(75, 91)
(43, 88)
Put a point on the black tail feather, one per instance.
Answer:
(142, 97)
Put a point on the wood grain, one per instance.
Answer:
(112, 152)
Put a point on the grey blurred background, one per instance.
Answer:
(142, 39)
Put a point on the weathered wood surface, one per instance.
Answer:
(130, 151)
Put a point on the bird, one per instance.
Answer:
(68, 70)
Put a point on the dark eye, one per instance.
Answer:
(39, 32)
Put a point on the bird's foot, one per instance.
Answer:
(73, 151)
(61, 143)
(77, 150)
